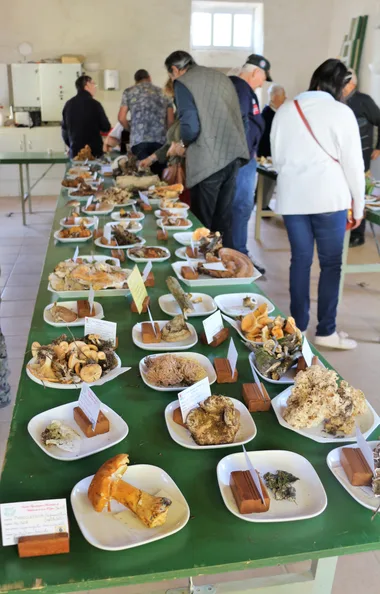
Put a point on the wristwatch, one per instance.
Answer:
(182, 144)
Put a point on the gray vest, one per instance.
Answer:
(222, 137)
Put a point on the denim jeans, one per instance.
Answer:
(327, 230)
(242, 205)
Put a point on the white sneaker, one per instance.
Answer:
(338, 340)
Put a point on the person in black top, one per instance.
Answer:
(367, 114)
(276, 96)
(84, 119)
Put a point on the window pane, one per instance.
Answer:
(222, 30)
(201, 29)
(243, 30)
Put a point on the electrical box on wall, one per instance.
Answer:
(57, 84)
(111, 80)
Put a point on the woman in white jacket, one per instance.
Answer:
(317, 152)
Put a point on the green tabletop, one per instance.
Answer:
(33, 158)
(373, 217)
(214, 540)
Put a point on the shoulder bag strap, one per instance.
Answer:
(303, 118)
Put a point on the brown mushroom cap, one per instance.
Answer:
(73, 203)
(99, 491)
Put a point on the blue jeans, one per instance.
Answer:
(242, 205)
(327, 230)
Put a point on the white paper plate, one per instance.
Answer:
(176, 209)
(153, 260)
(71, 239)
(116, 217)
(363, 495)
(96, 258)
(136, 229)
(97, 242)
(181, 345)
(99, 314)
(185, 238)
(153, 199)
(71, 194)
(173, 227)
(91, 222)
(182, 436)
(103, 531)
(62, 386)
(181, 253)
(201, 359)
(88, 180)
(170, 306)
(232, 304)
(175, 212)
(208, 281)
(98, 213)
(84, 294)
(89, 445)
(287, 378)
(367, 422)
(310, 494)
(129, 203)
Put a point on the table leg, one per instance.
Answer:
(28, 187)
(375, 236)
(346, 245)
(259, 205)
(22, 193)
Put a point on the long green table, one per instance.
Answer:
(214, 540)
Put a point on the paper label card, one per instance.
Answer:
(307, 353)
(255, 476)
(91, 297)
(189, 398)
(107, 232)
(144, 198)
(232, 356)
(146, 270)
(189, 262)
(152, 322)
(106, 330)
(106, 169)
(137, 288)
(255, 376)
(214, 266)
(231, 321)
(212, 325)
(96, 223)
(90, 404)
(76, 254)
(88, 203)
(111, 375)
(134, 207)
(365, 449)
(32, 518)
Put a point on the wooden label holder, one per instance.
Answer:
(218, 338)
(43, 544)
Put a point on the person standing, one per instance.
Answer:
(212, 137)
(151, 115)
(84, 119)
(316, 151)
(276, 97)
(367, 114)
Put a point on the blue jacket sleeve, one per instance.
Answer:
(187, 114)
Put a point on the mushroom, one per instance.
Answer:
(107, 485)
(43, 371)
(90, 373)
(35, 348)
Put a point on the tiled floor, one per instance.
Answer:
(22, 253)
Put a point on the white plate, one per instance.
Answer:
(207, 281)
(170, 306)
(181, 253)
(176, 209)
(236, 324)
(116, 217)
(232, 304)
(97, 212)
(129, 203)
(174, 227)
(137, 228)
(182, 436)
(363, 495)
(103, 531)
(153, 260)
(58, 386)
(88, 180)
(201, 359)
(311, 498)
(287, 378)
(99, 314)
(181, 345)
(70, 239)
(92, 258)
(185, 238)
(174, 212)
(98, 242)
(92, 221)
(89, 445)
(71, 192)
(367, 422)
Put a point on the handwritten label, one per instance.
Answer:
(144, 198)
(232, 356)
(111, 375)
(147, 270)
(106, 330)
(137, 288)
(91, 297)
(307, 353)
(255, 476)
(88, 203)
(189, 398)
(107, 232)
(152, 322)
(31, 518)
(214, 266)
(365, 449)
(212, 325)
(90, 404)
(76, 254)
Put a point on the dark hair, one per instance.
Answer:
(331, 77)
(141, 75)
(82, 81)
(180, 59)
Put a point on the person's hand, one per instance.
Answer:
(145, 163)
(375, 154)
(176, 150)
(106, 147)
(356, 223)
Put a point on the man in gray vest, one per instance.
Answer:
(212, 137)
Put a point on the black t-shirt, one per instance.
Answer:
(367, 114)
(264, 147)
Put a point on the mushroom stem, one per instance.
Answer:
(151, 510)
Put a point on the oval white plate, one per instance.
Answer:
(247, 430)
(87, 225)
(181, 345)
(201, 359)
(65, 413)
(175, 212)
(170, 306)
(367, 422)
(116, 217)
(103, 531)
(185, 238)
(208, 281)
(129, 203)
(311, 498)
(153, 260)
(71, 192)
(64, 386)
(173, 227)
(71, 239)
(287, 378)
(92, 258)
(137, 228)
(236, 324)
(97, 242)
(232, 304)
(181, 253)
(363, 495)
(96, 212)
(99, 314)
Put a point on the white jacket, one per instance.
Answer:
(309, 181)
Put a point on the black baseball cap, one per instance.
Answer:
(260, 62)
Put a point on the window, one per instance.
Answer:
(221, 25)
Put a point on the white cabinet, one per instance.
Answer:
(26, 85)
(57, 84)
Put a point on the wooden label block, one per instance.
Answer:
(146, 207)
(81, 419)
(144, 307)
(148, 334)
(219, 337)
(189, 273)
(254, 399)
(223, 372)
(44, 544)
(162, 235)
(150, 280)
(98, 233)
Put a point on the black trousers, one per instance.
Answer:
(144, 150)
(359, 231)
(211, 200)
